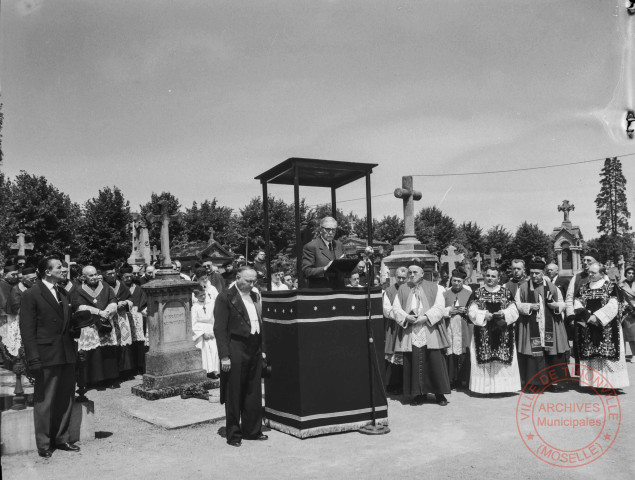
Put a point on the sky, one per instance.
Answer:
(199, 97)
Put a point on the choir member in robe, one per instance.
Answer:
(203, 333)
(541, 339)
(599, 333)
(418, 309)
(494, 365)
(628, 294)
(97, 345)
(394, 360)
(12, 338)
(460, 329)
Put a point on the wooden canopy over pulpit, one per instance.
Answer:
(321, 342)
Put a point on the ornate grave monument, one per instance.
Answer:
(21, 246)
(140, 241)
(409, 247)
(173, 363)
(567, 243)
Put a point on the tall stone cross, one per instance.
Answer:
(478, 259)
(566, 207)
(155, 253)
(164, 218)
(451, 258)
(211, 235)
(492, 257)
(408, 194)
(21, 246)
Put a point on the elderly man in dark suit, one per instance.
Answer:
(319, 254)
(45, 325)
(238, 331)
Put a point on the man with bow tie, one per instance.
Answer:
(50, 350)
(319, 254)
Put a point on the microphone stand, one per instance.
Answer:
(373, 428)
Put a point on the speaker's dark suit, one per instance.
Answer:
(50, 352)
(316, 256)
(240, 387)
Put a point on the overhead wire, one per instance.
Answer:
(487, 172)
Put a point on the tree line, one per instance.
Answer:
(99, 230)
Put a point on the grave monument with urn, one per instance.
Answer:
(173, 363)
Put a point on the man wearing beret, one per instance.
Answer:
(50, 351)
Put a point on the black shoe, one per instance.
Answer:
(441, 400)
(69, 447)
(44, 453)
(419, 400)
(235, 443)
(259, 436)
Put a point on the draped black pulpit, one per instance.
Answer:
(317, 343)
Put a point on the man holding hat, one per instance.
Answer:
(50, 351)
(460, 330)
(541, 339)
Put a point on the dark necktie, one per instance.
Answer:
(330, 246)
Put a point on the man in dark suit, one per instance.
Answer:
(560, 282)
(318, 255)
(45, 323)
(238, 331)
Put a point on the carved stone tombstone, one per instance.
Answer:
(173, 362)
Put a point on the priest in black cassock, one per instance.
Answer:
(541, 336)
(97, 344)
(460, 329)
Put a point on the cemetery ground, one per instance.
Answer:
(472, 437)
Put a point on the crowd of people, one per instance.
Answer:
(496, 337)
(87, 325)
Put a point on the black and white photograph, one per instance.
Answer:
(324, 239)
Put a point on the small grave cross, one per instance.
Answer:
(408, 194)
(21, 246)
(155, 253)
(492, 257)
(451, 258)
(478, 259)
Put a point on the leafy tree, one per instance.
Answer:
(610, 247)
(531, 241)
(177, 230)
(1, 125)
(106, 230)
(198, 221)
(389, 229)
(470, 236)
(434, 229)
(250, 225)
(611, 207)
(47, 217)
(499, 238)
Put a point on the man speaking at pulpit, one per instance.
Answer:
(319, 254)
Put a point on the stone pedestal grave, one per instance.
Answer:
(173, 362)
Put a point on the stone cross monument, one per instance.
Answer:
(141, 252)
(164, 218)
(409, 248)
(409, 195)
(21, 246)
(566, 207)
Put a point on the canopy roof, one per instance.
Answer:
(316, 173)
